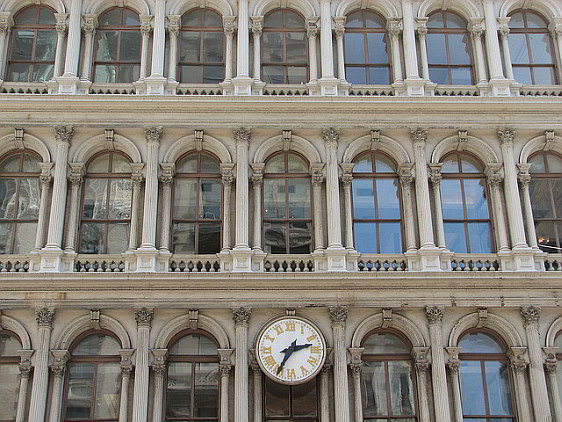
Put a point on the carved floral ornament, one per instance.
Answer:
(64, 133)
(419, 136)
(143, 317)
(530, 314)
(242, 135)
(241, 316)
(153, 134)
(338, 314)
(506, 135)
(45, 317)
(331, 135)
(434, 314)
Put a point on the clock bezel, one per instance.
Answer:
(271, 376)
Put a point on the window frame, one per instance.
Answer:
(291, 417)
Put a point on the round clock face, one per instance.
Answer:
(290, 350)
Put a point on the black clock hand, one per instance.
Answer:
(288, 351)
(302, 346)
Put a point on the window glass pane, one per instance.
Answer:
(178, 391)
(472, 388)
(276, 164)
(470, 165)
(274, 74)
(190, 47)
(80, 391)
(30, 164)
(479, 343)
(558, 341)
(436, 52)
(105, 74)
(379, 75)
(99, 164)
(191, 74)
(354, 48)
(476, 198)
(372, 20)
(537, 164)
(305, 399)
(294, 20)
(117, 238)
(120, 164)
(12, 163)
(450, 165)
(455, 237)
(451, 199)
(378, 47)
(388, 198)
(22, 44)
(213, 47)
(522, 75)
(130, 47)
(193, 344)
(276, 399)
(546, 236)
(439, 75)
(107, 46)
(272, 47)
(108, 386)
(185, 199)
(111, 18)
(209, 164)
(363, 199)
(461, 76)
(92, 237)
(363, 165)
(374, 389)
(9, 388)
(499, 394)
(24, 239)
(401, 388)
(296, 164)
(296, 75)
(120, 199)
(205, 403)
(9, 345)
(544, 75)
(130, 18)
(212, 19)
(454, 21)
(390, 238)
(480, 237)
(559, 379)
(6, 235)
(209, 238)
(95, 198)
(534, 20)
(193, 18)
(8, 198)
(210, 201)
(385, 344)
(213, 74)
(299, 198)
(274, 198)
(26, 16)
(541, 48)
(300, 237)
(188, 165)
(556, 186)
(97, 344)
(518, 48)
(275, 238)
(459, 48)
(19, 72)
(539, 190)
(356, 75)
(296, 47)
(554, 166)
(436, 21)
(45, 45)
(183, 237)
(355, 20)
(516, 20)
(365, 237)
(42, 72)
(274, 19)
(384, 164)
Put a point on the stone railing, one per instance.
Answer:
(372, 262)
(475, 262)
(199, 89)
(456, 91)
(194, 264)
(100, 263)
(553, 262)
(371, 91)
(23, 88)
(288, 263)
(98, 88)
(14, 264)
(541, 91)
(286, 90)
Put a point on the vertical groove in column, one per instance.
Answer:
(73, 42)
(331, 138)
(338, 316)
(242, 138)
(241, 318)
(143, 318)
(419, 137)
(152, 136)
(325, 393)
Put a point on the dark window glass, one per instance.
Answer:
(197, 206)
(284, 48)
(531, 49)
(9, 374)
(286, 403)
(118, 43)
(287, 205)
(449, 53)
(367, 49)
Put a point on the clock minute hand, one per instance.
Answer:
(288, 351)
(302, 346)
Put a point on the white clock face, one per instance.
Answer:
(291, 350)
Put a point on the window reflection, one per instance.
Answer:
(9, 375)
(291, 403)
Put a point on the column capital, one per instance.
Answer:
(405, 173)
(45, 177)
(76, 174)
(126, 361)
(419, 354)
(331, 136)
(347, 173)
(60, 359)
(227, 172)
(257, 25)
(435, 173)
(523, 173)
(168, 172)
(317, 174)
(503, 24)
(241, 316)
(556, 28)
(25, 369)
(89, 23)
(338, 315)
(153, 134)
(530, 314)
(64, 133)
(339, 25)
(421, 26)
(453, 363)
(476, 27)
(61, 24)
(312, 26)
(517, 359)
(394, 26)
(257, 173)
(6, 21)
(146, 24)
(229, 25)
(243, 135)
(159, 362)
(45, 317)
(418, 136)
(136, 173)
(434, 314)
(143, 316)
(506, 136)
(494, 174)
(356, 367)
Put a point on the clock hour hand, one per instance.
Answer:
(288, 351)
(302, 346)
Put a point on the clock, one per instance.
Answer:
(290, 350)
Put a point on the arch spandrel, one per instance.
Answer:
(187, 144)
(465, 8)
(386, 8)
(387, 145)
(182, 322)
(304, 7)
(92, 146)
(98, 7)
(548, 8)
(397, 322)
(179, 7)
(84, 323)
(474, 145)
(8, 144)
(14, 6)
(298, 144)
(16, 327)
(539, 144)
(499, 325)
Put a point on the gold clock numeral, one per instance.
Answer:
(315, 349)
(265, 350)
(271, 339)
(269, 361)
(290, 326)
(302, 329)
(312, 337)
(278, 329)
(291, 374)
(312, 360)
(304, 371)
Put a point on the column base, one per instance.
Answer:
(258, 259)
(241, 260)
(328, 87)
(335, 259)
(72, 85)
(155, 85)
(227, 87)
(429, 259)
(523, 259)
(500, 87)
(313, 88)
(352, 259)
(483, 88)
(398, 88)
(147, 260)
(242, 85)
(51, 260)
(414, 87)
(258, 87)
(343, 88)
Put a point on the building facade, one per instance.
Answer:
(182, 178)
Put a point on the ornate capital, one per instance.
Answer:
(242, 135)
(225, 369)
(5, 21)
(25, 369)
(531, 314)
(227, 171)
(434, 314)
(394, 27)
(523, 174)
(421, 26)
(338, 314)
(420, 358)
(174, 24)
(76, 173)
(311, 27)
(45, 317)
(257, 174)
(229, 25)
(159, 362)
(347, 173)
(494, 173)
(317, 174)
(453, 364)
(356, 367)
(476, 27)
(405, 173)
(331, 136)
(453, 367)
(339, 25)
(419, 136)
(61, 24)
(503, 25)
(90, 23)
(435, 173)
(146, 24)
(153, 134)
(257, 26)
(506, 136)
(64, 133)
(143, 317)
(241, 316)
(60, 358)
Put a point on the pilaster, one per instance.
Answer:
(242, 254)
(143, 318)
(338, 316)
(241, 318)
(422, 365)
(58, 369)
(519, 366)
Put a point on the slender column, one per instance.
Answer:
(347, 181)
(146, 29)
(326, 40)
(476, 31)
(150, 216)
(504, 33)
(257, 185)
(519, 369)
(513, 202)
(317, 181)
(257, 28)
(63, 135)
(58, 368)
(258, 392)
(90, 24)
(167, 181)
(406, 179)
(394, 28)
(242, 59)
(421, 27)
(422, 367)
(495, 178)
(73, 42)
(539, 393)
(143, 318)
(434, 316)
(25, 373)
(126, 368)
(241, 318)
(61, 27)
(224, 370)
(524, 181)
(45, 179)
(331, 138)
(338, 316)
(492, 42)
(453, 365)
(557, 37)
(227, 180)
(409, 41)
(325, 393)
(311, 33)
(229, 23)
(242, 138)
(173, 33)
(75, 178)
(38, 401)
(159, 371)
(158, 38)
(5, 25)
(550, 367)
(419, 137)
(356, 367)
(137, 179)
(339, 22)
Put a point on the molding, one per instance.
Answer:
(539, 143)
(385, 144)
(98, 143)
(84, 323)
(98, 7)
(548, 8)
(183, 322)
(474, 145)
(385, 7)
(496, 323)
(466, 8)
(8, 144)
(179, 7)
(16, 327)
(298, 144)
(188, 143)
(397, 322)
(304, 7)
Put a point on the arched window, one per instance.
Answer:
(367, 49)
(192, 392)
(9, 374)
(531, 49)
(387, 378)
(287, 217)
(197, 210)
(19, 202)
(448, 49)
(93, 380)
(284, 48)
(290, 403)
(106, 204)
(118, 47)
(558, 343)
(201, 47)
(377, 210)
(33, 45)
(545, 190)
(484, 378)
(465, 202)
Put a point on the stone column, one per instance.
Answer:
(45, 179)
(158, 39)
(422, 367)
(257, 29)
(224, 369)
(241, 318)
(556, 31)
(159, 371)
(519, 369)
(339, 22)
(5, 25)
(494, 174)
(38, 401)
(76, 177)
(257, 185)
(394, 28)
(143, 317)
(331, 138)
(90, 24)
(539, 393)
(61, 27)
(414, 85)
(242, 138)
(419, 137)
(476, 31)
(434, 316)
(150, 215)
(492, 42)
(513, 202)
(167, 181)
(421, 28)
(347, 182)
(25, 373)
(146, 29)
(258, 392)
(229, 24)
(126, 368)
(317, 178)
(326, 49)
(58, 368)
(242, 60)
(325, 393)
(453, 365)
(338, 316)
(503, 23)
(406, 178)
(137, 179)
(174, 23)
(356, 367)
(550, 367)
(73, 42)
(227, 179)
(524, 180)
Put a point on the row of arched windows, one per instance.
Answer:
(284, 48)
(197, 204)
